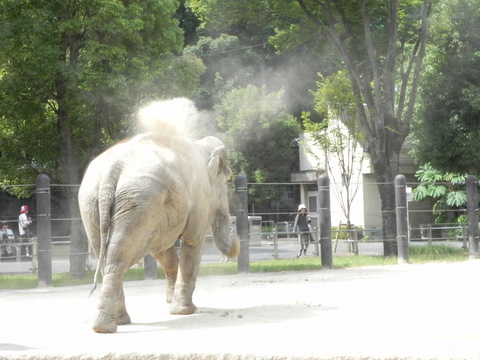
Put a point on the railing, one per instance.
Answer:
(18, 252)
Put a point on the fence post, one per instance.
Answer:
(316, 242)
(241, 206)
(44, 231)
(150, 266)
(472, 208)
(324, 218)
(275, 243)
(402, 222)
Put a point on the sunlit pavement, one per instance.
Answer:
(425, 311)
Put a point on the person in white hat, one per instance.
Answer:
(301, 228)
(23, 221)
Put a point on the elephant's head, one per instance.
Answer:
(219, 174)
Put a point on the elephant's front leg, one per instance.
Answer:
(111, 307)
(190, 257)
(169, 261)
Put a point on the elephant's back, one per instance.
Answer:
(161, 179)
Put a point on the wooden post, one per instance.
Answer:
(401, 215)
(275, 243)
(324, 218)
(44, 232)
(241, 206)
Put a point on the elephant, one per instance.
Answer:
(139, 197)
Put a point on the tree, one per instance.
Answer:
(380, 44)
(72, 73)
(259, 134)
(339, 137)
(228, 64)
(446, 134)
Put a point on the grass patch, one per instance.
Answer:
(359, 261)
(436, 253)
(418, 254)
(18, 281)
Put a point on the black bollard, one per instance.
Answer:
(150, 266)
(241, 206)
(472, 208)
(325, 221)
(401, 215)
(44, 232)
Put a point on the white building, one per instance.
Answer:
(365, 210)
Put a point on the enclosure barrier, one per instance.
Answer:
(324, 236)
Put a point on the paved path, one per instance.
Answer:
(388, 312)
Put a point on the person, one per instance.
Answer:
(6, 238)
(25, 235)
(302, 220)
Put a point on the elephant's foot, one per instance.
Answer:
(182, 309)
(123, 318)
(104, 324)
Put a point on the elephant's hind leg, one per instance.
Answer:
(190, 257)
(111, 307)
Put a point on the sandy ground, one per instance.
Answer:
(391, 312)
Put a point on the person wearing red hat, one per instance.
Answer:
(23, 221)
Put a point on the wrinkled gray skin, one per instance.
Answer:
(138, 198)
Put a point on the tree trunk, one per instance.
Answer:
(389, 225)
(385, 169)
(70, 176)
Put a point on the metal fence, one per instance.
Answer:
(267, 239)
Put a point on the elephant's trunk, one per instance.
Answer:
(227, 243)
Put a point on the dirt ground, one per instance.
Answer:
(390, 312)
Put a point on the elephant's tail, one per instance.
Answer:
(106, 198)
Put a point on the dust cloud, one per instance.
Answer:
(176, 117)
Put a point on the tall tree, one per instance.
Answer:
(381, 46)
(338, 137)
(71, 74)
(450, 91)
(260, 135)
(229, 64)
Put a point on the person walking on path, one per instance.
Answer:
(25, 235)
(302, 220)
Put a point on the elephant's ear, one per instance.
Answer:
(217, 164)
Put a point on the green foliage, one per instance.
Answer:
(334, 93)
(335, 103)
(447, 131)
(338, 136)
(72, 74)
(259, 134)
(377, 43)
(229, 65)
(447, 190)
